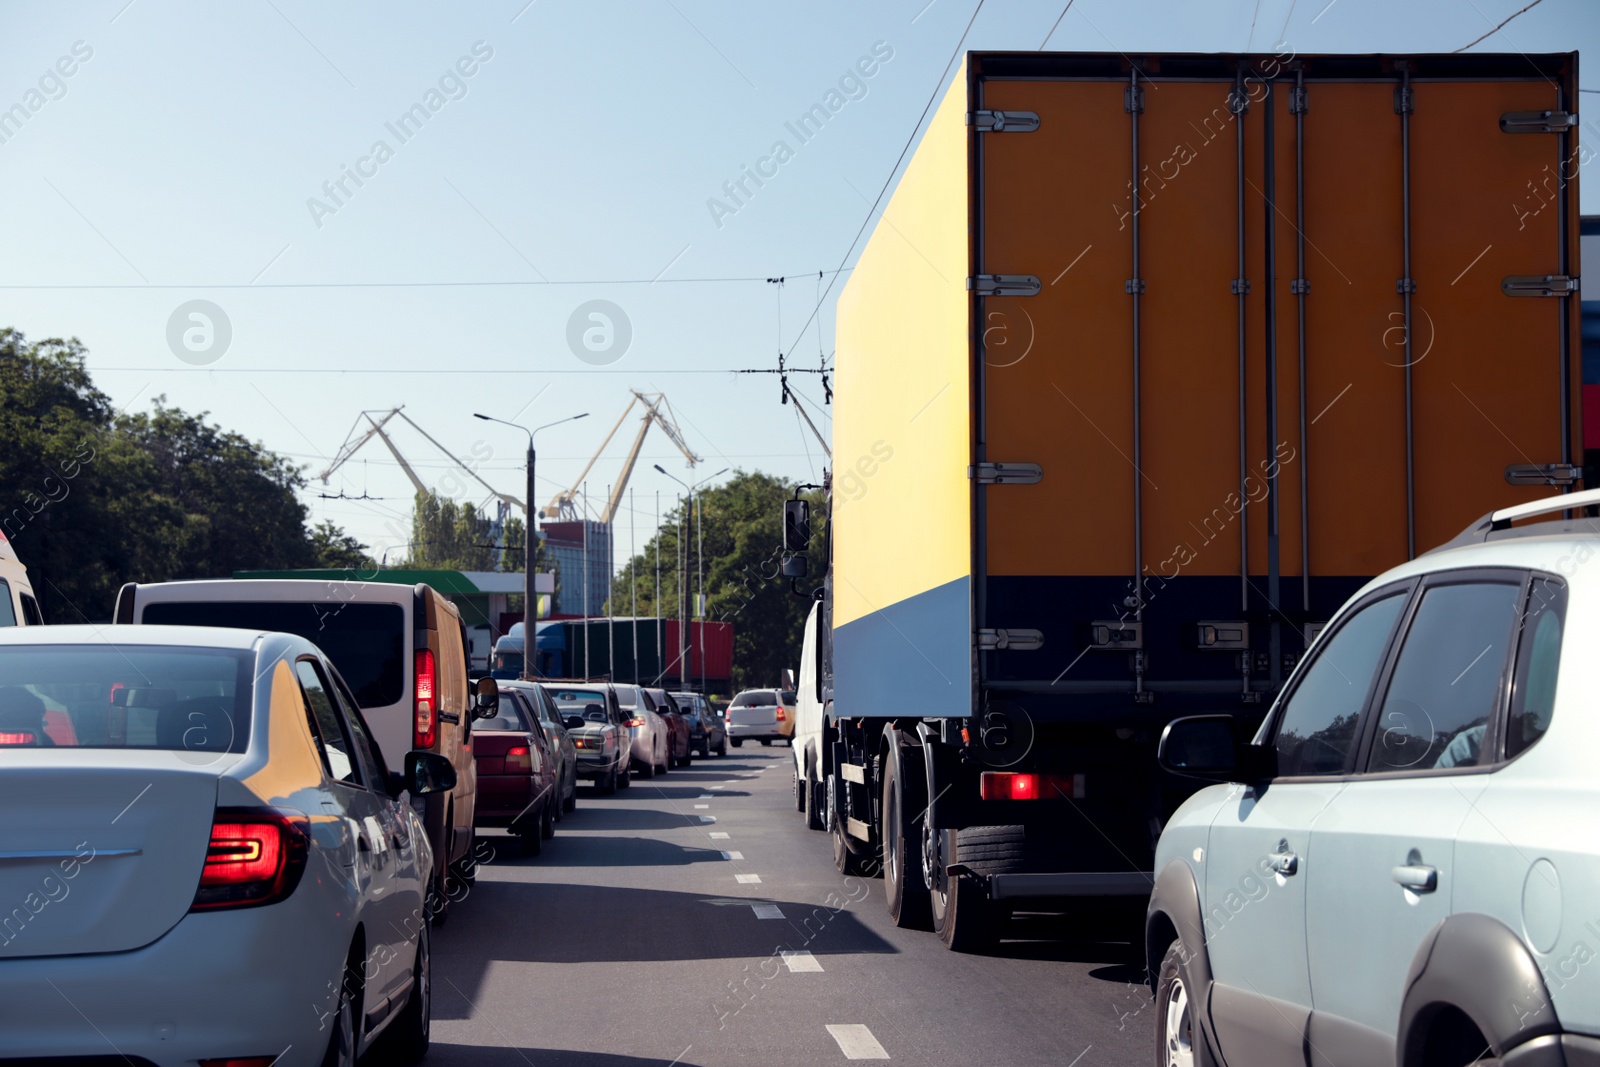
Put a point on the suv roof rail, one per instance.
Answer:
(1499, 521)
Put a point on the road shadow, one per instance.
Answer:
(597, 817)
(678, 791)
(443, 1055)
(584, 850)
(1104, 932)
(570, 922)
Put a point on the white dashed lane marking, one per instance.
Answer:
(747, 879)
(733, 855)
(701, 807)
(857, 1042)
(800, 961)
(718, 835)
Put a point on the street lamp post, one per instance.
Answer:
(684, 643)
(530, 611)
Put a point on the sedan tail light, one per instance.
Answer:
(635, 722)
(425, 689)
(518, 760)
(1004, 785)
(781, 715)
(255, 856)
(18, 737)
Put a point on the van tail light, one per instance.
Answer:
(255, 856)
(518, 760)
(425, 691)
(1004, 785)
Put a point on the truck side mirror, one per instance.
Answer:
(795, 565)
(796, 528)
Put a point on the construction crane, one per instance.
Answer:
(375, 426)
(656, 412)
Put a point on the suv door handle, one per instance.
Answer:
(1417, 878)
(1284, 863)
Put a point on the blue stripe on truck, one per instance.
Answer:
(913, 657)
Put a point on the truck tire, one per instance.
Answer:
(964, 917)
(904, 807)
(847, 862)
(799, 791)
(1179, 1038)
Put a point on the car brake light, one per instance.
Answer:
(425, 690)
(781, 714)
(635, 722)
(18, 738)
(255, 856)
(1005, 785)
(518, 761)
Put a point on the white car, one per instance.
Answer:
(648, 729)
(205, 857)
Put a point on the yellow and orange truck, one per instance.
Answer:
(1150, 363)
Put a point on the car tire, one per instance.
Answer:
(766, 741)
(547, 821)
(570, 804)
(606, 784)
(705, 749)
(624, 777)
(1180, 1042)
(646, 770)
(341, 1051)
(439, 891)
(408, 1038)
(815, 807)
(845, 861)
(722, 747)
(532, 840)
(799, 791)
(904, 809)
(466, 868)
(736, 742)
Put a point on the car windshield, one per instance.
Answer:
(760, 698)
(365, 641)
(508, 717)
(130, 696)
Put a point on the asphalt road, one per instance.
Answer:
(638, 940)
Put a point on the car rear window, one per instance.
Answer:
(576, 699)
(99, 696)
(365, 641)
(508, 717)
(788, 696)
(764, 698)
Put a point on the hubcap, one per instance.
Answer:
(1179, 1040)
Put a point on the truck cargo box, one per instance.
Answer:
(1153, 360)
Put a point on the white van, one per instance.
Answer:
(18, 606)
(807, 741)
(401, 649)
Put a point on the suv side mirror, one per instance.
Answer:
(486, 702)
(796, 526)
(1208, 747)
(429, 772)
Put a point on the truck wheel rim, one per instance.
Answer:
(1179, 1041)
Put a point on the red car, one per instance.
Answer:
(517, 785)
(678, 740)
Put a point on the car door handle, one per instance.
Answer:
(1417, 878)
(1283, 861)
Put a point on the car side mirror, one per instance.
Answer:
(487, 698)
(1207, 747)
(429, 772)
(573, 722)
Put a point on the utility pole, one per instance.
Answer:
(660, 664)
(633, 580)
(683, 596)
(700, 583)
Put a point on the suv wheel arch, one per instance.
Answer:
(1175, 915)
(1475, 966)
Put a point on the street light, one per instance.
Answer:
(699, 578)
(530, 611)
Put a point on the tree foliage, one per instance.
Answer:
(91, 497)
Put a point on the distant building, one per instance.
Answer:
(576, 548)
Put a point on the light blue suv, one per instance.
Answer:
(1403, 866)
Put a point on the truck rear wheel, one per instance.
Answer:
(904, 808)
(963, 915)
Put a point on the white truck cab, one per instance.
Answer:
(18, 606)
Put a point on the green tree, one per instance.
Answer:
(335, 549)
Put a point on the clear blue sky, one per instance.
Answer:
(177, 161)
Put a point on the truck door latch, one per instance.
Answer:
(1016, 640)
(1006, 473)
(1003, 121)
(1543, 474)
(1538, 285)
(1004, 284)
(1537, 121)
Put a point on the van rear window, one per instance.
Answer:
(365, 641)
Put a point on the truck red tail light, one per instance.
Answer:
(425, 689)
(1006, 785)
(518, 761)
(255, 856)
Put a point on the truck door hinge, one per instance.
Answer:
(1538, 285)
(1223, 636)
(1543, 474)
(1003, 121)
(1299, 286)
(1015, 640)
(1006, 473)
(1133, 286)
(1004, 285)
(1133, 99)
(1299, 100)
(1116, 634)
(1405, 285)
(1405, 100)
(1239, 286)
(1537, 121)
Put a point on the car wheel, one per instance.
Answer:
(607, 784)
(557, 805)
(705, 750)
(408, 1037)
(1179, 1040)
(904, 811)
(342, 1042)
(570, 802)
(466, 868)
(766, 741)
(646, 770)
(547, 821)
(624, 777)
(439, 893)
(533, 840)
(722, 747)
(799, 791)
(736, 742)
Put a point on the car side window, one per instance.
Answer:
(30, 611)
(371, 755)
(8, 614)
(1317, 727)
(1538, 657)
(1449, 679)
(325, 724)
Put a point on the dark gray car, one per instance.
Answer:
(707, 733)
